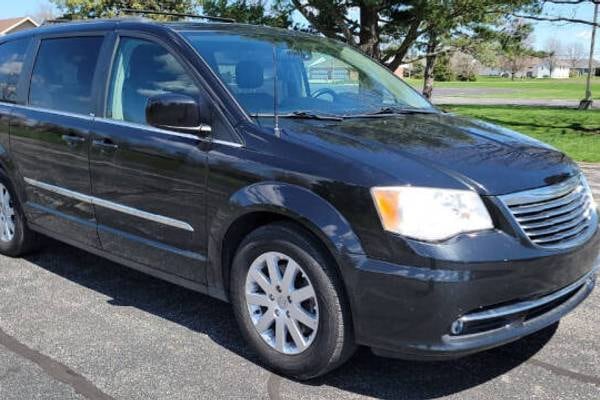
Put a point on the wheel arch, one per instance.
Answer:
(264, 203)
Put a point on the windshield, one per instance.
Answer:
(314, 75)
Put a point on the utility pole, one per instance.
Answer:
(587, 102)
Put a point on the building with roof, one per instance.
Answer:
(12, 25)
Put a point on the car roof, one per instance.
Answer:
(144, 24)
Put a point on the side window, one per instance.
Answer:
(12, 56)
(143, 69)
(63, 74)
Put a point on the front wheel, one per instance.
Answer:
(289, 302)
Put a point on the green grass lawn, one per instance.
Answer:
(577, 133)
(558, 89)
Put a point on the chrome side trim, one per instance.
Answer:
(521, 307)
(111, 206)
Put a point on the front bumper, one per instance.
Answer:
(464, 307)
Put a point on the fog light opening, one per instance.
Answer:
(457, 327)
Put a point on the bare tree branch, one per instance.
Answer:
(557, 19)
(568, 1)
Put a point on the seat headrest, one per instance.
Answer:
(249, 74)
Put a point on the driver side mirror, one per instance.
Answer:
(178, 112)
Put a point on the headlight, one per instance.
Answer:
(430, 214)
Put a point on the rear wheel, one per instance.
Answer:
(289, 302)
(15, 237)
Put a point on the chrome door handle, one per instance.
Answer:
(105, 144)
(73, 140)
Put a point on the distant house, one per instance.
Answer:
(330, 69)
(12, 25)
(581, 68)
(542, 70)
(534, 68)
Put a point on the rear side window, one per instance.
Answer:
(12, 56)
(63, 74)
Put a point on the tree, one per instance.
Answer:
(43, 13)
(574, 54)
(388, 29)
(108, 8)
(515, 48)
(553, 50)
(560, 17)
(251, 12)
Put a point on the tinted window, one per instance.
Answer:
(63, 74)
(12, 56)
(311, 74)
(144, 69)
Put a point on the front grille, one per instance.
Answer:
(553, 216)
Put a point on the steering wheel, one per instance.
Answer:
(325, 91)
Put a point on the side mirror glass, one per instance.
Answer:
(179, 113)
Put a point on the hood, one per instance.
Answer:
(490, 159)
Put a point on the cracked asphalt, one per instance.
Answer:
(74, 326)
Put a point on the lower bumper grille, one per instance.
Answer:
(486, 320)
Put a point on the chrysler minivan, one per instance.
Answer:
(294, 177)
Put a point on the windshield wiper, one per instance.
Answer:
(310, 115)
(392, 111)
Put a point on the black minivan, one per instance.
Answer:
(289, 174)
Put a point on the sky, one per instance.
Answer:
(544, 31)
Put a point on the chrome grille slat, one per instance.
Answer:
(563, 235)
(562, 218)
(548, 204)
(557, 227)
(554, 213)
(555, 216)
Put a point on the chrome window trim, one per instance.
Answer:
(121, 123)
(88, 117)
(111, 205)
(151, 128)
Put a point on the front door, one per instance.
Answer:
(50, 137)
(149, 184)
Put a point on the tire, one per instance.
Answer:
(330, 342)
(16, 239)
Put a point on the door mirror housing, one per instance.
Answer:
(178, 112)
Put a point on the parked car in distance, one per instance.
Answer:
(289, 174)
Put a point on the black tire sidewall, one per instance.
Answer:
(318, 356)
(15, 246)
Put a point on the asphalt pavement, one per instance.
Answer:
(75, 326)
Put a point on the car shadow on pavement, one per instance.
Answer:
(364, 374)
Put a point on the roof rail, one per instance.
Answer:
(173, 14)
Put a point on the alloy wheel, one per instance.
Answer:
(282, 303)
(7, 215)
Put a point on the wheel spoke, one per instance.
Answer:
(291, 270)
(257, 299)
(265, 321)
(261, 280)
(280, 335)
(303, 317)
(274, 274)
(296, 335)
(303, 294)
